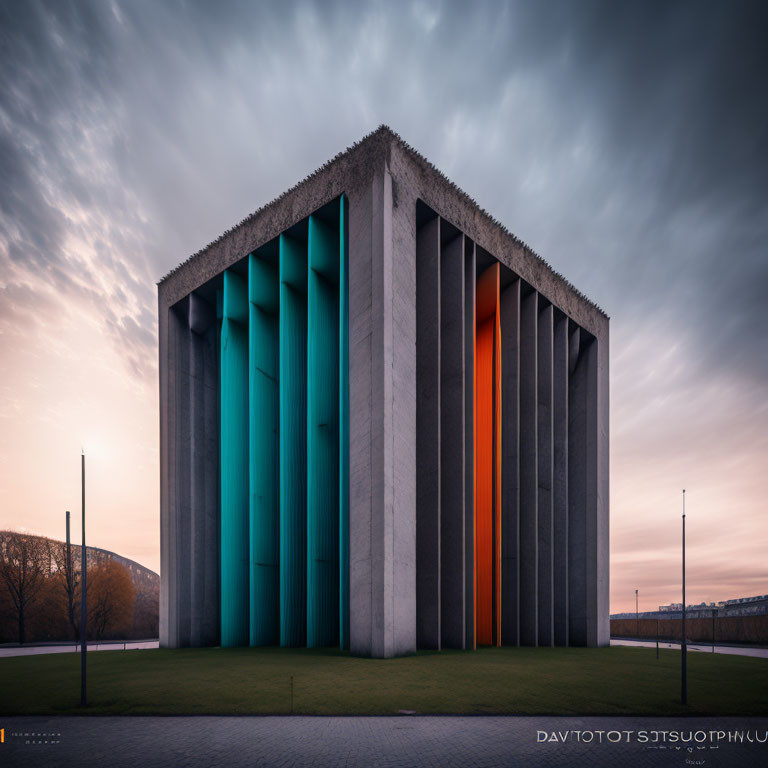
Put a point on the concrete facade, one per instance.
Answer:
(416, 245)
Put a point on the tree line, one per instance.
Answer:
(40, 593)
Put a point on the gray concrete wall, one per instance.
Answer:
(538, 357)
(401, 425)
(560, 479)
(383, 411)
(529, 525)
(189, 486)
(587, 576)
(470, 277)
(510, 464)
(452, 444)
(602, 609)
(361, 427)
(428, 442)
(577, 464)
(204, 501)
(545, 462)
(167, 329)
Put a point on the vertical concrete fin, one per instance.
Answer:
(293, 440)
(361, 319)
(343, 424)
(204, 442)
(602, 554)
(173, 331)
(264, 449)
(470, 280)
(529, 621)
(577, 487)
(510, 472)
(183, 476)
(382, 491)
(234, 463)
(428, 469)
(545, 473)
(382, 316)
(588, 491)
(592, 506)
(165, 330)
(322, 434)
(452, 443)
(560, 479)
(400, 245)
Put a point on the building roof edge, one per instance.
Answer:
(384, 131)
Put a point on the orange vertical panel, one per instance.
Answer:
(497, 459)
(474, 478)
(484, 483)
(488, 459)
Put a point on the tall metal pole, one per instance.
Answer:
(83, 592)
(637, 616)
(683, 647)
(70, 579)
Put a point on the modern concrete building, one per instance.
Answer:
(383, 425)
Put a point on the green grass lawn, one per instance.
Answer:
(523, 681)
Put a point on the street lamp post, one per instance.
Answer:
(637, 616)
(83, 592)
(683, 648)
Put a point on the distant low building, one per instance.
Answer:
(740, 606)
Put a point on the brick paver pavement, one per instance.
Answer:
(325, 742)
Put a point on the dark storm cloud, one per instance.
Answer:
(674, 94)
(622, 140)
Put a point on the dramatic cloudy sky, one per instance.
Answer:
(626, 143)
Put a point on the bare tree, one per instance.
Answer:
(24, 565)
(68, 567)
(111, 599)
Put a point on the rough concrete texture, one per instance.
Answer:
(452, 445)
(510, 464)
(383, 179)
(428, 458)
(587, 528)
(353, 167)
(544, 451)
(203, 575)
(529, 525)
(602, 545)
(469, 442)
(560, 480)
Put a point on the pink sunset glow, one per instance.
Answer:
(130, 145)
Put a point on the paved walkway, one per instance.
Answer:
(33, 650)
(325, 742)
(731, 650)
(112, 645)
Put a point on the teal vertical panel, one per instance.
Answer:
(263, 296)
(234, 462)
(322, 435)
(293, 440)
(343, 426)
